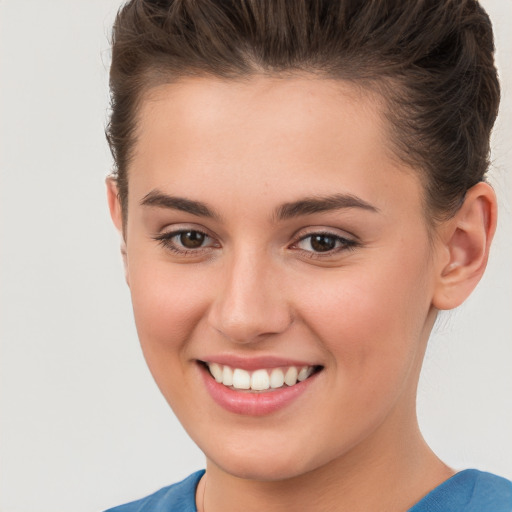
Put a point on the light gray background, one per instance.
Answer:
(83, 426)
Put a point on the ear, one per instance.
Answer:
(466, 240)
(116, 213)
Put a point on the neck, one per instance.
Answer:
(391, 479)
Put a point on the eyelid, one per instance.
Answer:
(183, 226)
(165, 239)
(175, 229)
(322, 230)
(348, 242)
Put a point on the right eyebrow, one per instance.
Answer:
(161, 200)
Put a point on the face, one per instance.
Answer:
(271, 233)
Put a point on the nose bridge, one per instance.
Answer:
(249, 304)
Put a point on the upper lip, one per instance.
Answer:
(255, 362)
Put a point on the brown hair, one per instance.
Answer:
(431, 60)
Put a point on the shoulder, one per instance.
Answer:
(469, 491)
(493, 491)
(177, 497)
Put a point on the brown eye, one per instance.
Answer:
(192, 239)
(323, 243)
(187, 242)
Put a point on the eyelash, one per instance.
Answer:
(345, 244)
(166, 241)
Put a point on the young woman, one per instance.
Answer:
(300, 188)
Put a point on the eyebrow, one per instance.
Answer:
(311, 205)
(161, 200)
(305, 206)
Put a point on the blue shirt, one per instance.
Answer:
(467, 491)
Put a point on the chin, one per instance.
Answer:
(263, 470)
(265, 463)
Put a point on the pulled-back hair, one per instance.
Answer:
(431, 60)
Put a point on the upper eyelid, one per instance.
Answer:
(165, 239)
(318, 230)
(326, 234)
(345, 241)
(169, 231)
(173, 230)
(174, 233)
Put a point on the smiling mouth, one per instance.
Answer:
(264, 379)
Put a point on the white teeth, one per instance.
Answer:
(259, 380)
(290, 377)
(216, 371)
(276, 378)
(227, 376)
(241, 379)
(304, 373)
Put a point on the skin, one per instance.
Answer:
(257, 286)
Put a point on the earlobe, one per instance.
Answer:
(466, 242)
(116, 214)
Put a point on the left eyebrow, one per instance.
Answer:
(311, 205)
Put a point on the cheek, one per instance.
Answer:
(372, 320)
(168, 305)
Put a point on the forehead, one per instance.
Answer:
(245, 137)
(259, 108)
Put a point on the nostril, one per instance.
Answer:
(243, 329)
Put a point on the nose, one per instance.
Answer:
(250, 304)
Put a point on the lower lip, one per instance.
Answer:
(253, 403)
